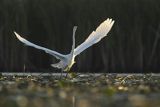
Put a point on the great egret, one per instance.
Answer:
(66, 61)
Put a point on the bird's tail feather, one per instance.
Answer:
(56, 65)
(59, 65)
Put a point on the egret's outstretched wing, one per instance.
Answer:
(101, 31)
(26, 42)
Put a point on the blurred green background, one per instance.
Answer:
(131, 46)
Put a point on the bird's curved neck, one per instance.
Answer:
(73, 40)
(71, 56)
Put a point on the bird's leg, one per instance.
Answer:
(68, 71)
(61, 74)
(41, 74)
(67, 74)
(71, 74)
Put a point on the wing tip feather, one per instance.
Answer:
(18, 36)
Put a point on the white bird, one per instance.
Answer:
(66, 61)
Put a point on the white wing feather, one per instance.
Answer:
(53, 53)
(101, 31)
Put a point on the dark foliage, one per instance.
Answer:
(132, 45)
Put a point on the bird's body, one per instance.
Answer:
(65, 64)
(66, 61)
